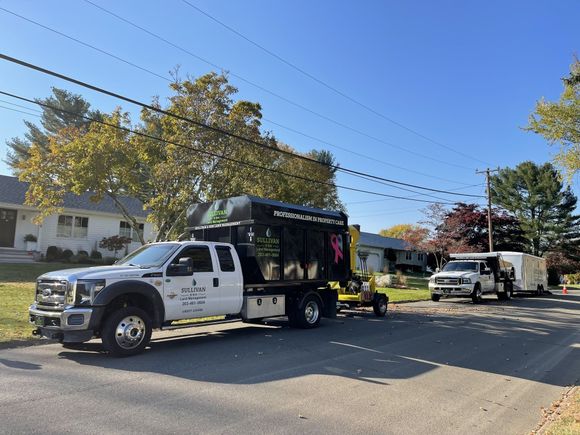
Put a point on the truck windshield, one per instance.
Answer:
(149, 255)
(460, 266)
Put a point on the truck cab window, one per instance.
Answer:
(225, 259)
(200, 256)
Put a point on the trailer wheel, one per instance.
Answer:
(126, 332)
(435, 297)
(307, 314)
(476, 294)
(380, 305)
(540, 290)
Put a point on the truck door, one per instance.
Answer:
(191, 285)
(230, 280)
(486, 278)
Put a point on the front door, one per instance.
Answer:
(7, 227)
(191, 293)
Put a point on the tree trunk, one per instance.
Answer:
(132, 221)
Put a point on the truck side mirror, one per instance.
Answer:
(437, 270)
(183, 268)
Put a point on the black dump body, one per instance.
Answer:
(278, 244)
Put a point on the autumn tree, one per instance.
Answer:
(396, 231)
(544, 208)
(559, 122)
(169, 163)
(465, 229)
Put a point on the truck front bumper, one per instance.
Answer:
(460, 290)
(70, 325)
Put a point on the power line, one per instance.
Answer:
(20, 111)
(251, 83)
(365, 156)
(326, 85)
(215, 129)
(202, 151)
(382, 200)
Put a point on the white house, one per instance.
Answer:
(81, 225)
(388, 253)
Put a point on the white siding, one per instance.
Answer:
(100, 226)
(24, 226)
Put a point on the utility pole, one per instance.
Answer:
(487, 172)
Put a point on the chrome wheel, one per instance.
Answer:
(311, 312)
(130, 332)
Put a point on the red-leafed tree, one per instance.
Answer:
(464, 229)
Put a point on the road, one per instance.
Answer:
(447, 367)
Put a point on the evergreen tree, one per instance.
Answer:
(544, 207)
(51, 123)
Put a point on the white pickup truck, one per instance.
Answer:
(153, 287)
(473, 275)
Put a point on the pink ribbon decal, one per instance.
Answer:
(336, 244)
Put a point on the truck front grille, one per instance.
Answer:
(51, 294)
(448, 281)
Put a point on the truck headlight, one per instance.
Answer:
(432, 280)
(87, 289)
(465, 281)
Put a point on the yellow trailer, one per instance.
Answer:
(361, 290)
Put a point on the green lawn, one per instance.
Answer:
(399, 295)
(16, 294)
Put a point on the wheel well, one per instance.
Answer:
(134, 300)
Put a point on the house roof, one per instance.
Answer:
(13, 191)
(376, 241)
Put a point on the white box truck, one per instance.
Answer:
(530, 272)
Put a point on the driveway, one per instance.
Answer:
(447, 367)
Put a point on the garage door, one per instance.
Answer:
(373, 262)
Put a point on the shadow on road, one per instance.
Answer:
(533, 338)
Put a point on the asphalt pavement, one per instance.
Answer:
(446, 367)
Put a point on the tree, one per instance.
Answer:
(51, 123)
(465, 229)
(101, 160)
(544, 208)
(559, 122)
(169, 163)
(396, 231)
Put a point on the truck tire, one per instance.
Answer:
(435, 297)
(507, 294)
(126, 332)
(380, 305)
(476, 294)
(307, 314)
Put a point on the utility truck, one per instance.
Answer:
(472, 276)
(530, 272)
(248, 259)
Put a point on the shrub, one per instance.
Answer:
(30, 238)
(67, 254)
(82, 253)
(53, 253)
(114, 243)
(96, 255)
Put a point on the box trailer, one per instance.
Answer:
(530, 272)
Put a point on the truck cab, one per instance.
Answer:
(150, 288)
(472, 275)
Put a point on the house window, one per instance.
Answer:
(125, 230)
(408, 255)
(420, 257)
(72, 226)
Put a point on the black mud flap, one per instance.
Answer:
(329, 301)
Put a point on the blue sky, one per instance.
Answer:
(466, 74)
